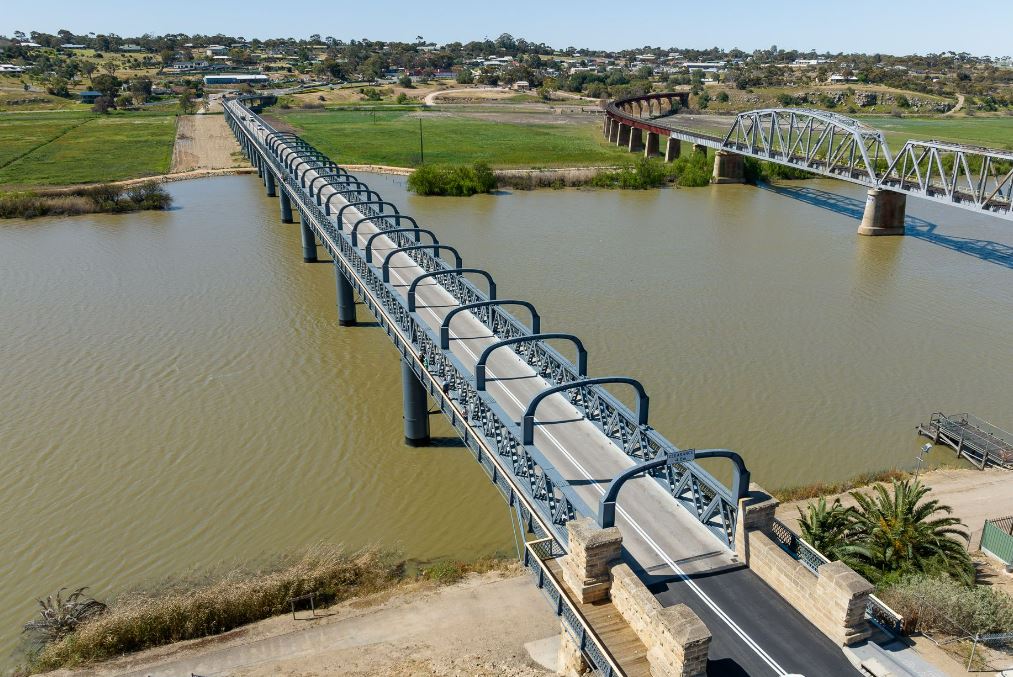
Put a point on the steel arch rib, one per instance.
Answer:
(536, 319)
(449, 271)
(528, 422)
(341, 177)
(365, 219)
(358, 190)
(435, 247)
(480, 369)
(358, 203)
(418, 231)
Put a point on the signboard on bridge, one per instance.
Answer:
(681, 456)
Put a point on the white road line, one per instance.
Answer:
(749, 641)
(769, 660)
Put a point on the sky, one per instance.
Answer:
(884, 26)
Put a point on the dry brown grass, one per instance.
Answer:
(806, 491)
(182, 611)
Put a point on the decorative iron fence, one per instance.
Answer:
(536, 553)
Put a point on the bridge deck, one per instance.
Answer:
(661, 537)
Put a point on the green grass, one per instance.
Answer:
(996, 132)
(48, 149)
(21, 133)
(351, 137)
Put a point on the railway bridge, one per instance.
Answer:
(826, 144)
(652, 565)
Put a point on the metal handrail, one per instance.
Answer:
(599, 654)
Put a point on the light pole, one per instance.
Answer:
(926, 448)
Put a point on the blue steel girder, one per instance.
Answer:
(436, 248)
(359, 190)
(355, 204)
(387, 219)
(489, 309)
(528, 422)
(307, 165)
(416, 231)
(530, 356)
(339, 175)
(483, 424)
(458, 271)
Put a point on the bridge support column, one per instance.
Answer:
(309, 240)
(728, 168)
(259, 163)
(614, 132)
(286, 206)
(416, 407)
(699, 148)
(346, 302)
(884, 213)
(606, 126)
(593, 551)
(636, 139)
(623, 138)
(269, 178)
(651, 149)
(673, 148)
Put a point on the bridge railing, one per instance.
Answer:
(536, 553)
(691, 485)
(876, 610)
(538, 479)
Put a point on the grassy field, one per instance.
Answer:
(46, 149)
(352, 137)
(996, 132)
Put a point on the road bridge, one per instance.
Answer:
(552, 438)
(826, 144)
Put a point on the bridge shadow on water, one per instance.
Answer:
(985, 250)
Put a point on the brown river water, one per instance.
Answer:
(175, 392)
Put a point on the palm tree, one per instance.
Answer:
(899, 533)
(826, 528)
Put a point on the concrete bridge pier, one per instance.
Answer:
(884, 213)
(346, 302)
(607, 127)
(623, 138)
(286, 206)
(673, 148)
(728, 168)
(699, 148)
(636, 139)
(309, 241)
(416, 407)
(651, 149)
(614, 132)
(269, 177)
(259, 164)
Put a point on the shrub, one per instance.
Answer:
(103, 198)
(943, 605)
(142, 620)
(455, 180)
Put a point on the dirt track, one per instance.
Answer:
(204, 142)
(480, 626)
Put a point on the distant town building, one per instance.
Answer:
(189, 65)
(10, 68)
(522, 85)
(235, 79)
(838, 79)
(216, 50)
(89, 96)
(131, 48)
(72, 46)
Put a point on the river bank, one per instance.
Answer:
(487, 624)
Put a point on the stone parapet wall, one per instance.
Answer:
(677, 640)
(834, 601)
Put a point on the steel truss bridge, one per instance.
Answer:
(833, 145)
(550, 437)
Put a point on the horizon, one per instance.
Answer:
(971, 30)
